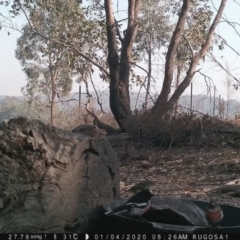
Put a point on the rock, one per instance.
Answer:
(50, 178)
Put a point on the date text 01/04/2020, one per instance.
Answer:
(166, 236)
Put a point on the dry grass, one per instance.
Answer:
(182, 131)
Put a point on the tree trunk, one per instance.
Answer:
(179, 70)
(119, 66)
(52, 104)
(53, 180)
(149, 72)
(53, 75)
(119, 94)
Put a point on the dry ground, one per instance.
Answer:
(195, 173)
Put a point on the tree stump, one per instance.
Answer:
(51, 178)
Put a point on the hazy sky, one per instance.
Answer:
(12, 78)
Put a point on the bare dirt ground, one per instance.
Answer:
(189, 172)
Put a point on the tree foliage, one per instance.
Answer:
(50, 66)
(38, 59)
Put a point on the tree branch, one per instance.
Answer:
(220, 65)
(111, 33)
(225, 42)
(133, 9)
(207, 44)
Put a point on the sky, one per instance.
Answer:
(12, 78)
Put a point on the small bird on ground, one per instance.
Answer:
(135, 206)
(213, 213)
(140, 186)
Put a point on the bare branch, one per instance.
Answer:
(232, 25)
(228, 45)
(220, 65)
(205, 79)
(8, 23)
(236, 2)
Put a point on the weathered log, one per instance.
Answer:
(51, 178)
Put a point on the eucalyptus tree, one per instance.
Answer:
(120, 47)
(193, 27)
(46, 66)
(120, 64)
(49, 66)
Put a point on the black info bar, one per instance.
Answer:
(115, 236)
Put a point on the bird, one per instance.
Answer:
(135, 206)
(137, 210)
(140, 186)
(213, 213)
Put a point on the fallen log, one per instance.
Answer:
(51, 178)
